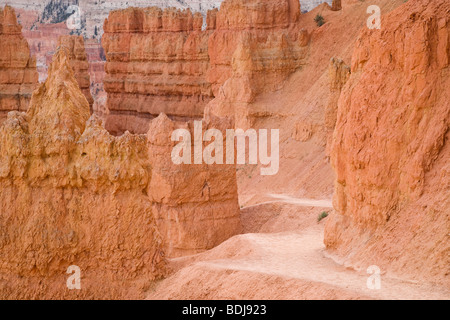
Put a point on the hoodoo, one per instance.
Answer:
(254, 151)
(390, 147)
(256, 45)
(18, 75)
(162, 61)
(115, 207)
(196, 205)
(156, 62)
(70, 194)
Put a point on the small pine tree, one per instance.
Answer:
(319, 20)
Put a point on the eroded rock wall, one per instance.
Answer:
(156, 62)
(71, 194)
(18, 75)
(196, 205)
(391, 146)
(161, 60)
(338, 74)
(43, 40)
(255, 46)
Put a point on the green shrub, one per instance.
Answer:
(319, 20)
(322, 216)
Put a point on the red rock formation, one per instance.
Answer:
(196, 205)
(71, 194)
(18, 75)
(156, 62)
(161, 61)
(96, 58)
(255, 46)
(79, 63)
(391, 147)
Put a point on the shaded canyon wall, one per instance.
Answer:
(390, 148)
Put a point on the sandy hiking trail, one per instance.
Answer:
(283, 198)
(281, 265)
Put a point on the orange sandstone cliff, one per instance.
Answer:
(391, 147)
(196, 205)
(162, 61)
(18, 75)
(156, 62)
(72, 194)
(255, 46)
(338, 73)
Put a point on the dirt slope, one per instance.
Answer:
(299, 108)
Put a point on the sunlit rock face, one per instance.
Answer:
(71, 194)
